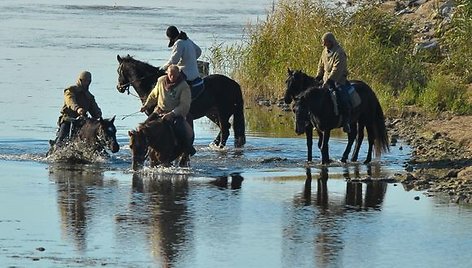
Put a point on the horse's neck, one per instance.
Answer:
(89, 130)
(145, 79)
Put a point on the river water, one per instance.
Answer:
(255, 207)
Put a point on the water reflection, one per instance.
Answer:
(73, 197)
(322, 218)
(159, 206)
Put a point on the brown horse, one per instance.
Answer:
(314, 107)
(221, 98)
(157, 140)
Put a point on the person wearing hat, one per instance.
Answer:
(332, 71)
(78, 101)
(184, 54)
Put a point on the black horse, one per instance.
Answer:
(221, 98)
(314, 107)
(155, 139)
(97, 134)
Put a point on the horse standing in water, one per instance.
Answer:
(97, 134)
(221, 98)
(314, 107)
(157, 140)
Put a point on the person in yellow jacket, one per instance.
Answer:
(171, 97)
(78, 101)
(332, 72)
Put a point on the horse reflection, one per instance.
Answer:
(222, 181)
(159, 205)
(374, 189)
(73, 198)
(327, 211)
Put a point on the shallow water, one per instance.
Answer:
(251, 207)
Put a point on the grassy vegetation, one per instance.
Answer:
(379, 47)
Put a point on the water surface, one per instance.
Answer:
(254, 207)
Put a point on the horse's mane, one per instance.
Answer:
(138, 64)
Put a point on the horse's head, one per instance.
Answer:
(141, 75)
(138, 143)
(123, 74)
(297, 82)
(302, 116)
(107, 134)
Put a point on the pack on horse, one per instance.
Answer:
(315, 107)
(98, 134)
(156, 139)
(221, 98)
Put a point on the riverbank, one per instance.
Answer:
(441, 159)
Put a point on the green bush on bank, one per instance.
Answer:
(379, 47)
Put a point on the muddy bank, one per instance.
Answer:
(441, 160)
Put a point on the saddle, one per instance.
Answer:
(354, 98)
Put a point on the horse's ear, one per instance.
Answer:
(119, 58)
(290, 72)
(131, 132)
(112, 119)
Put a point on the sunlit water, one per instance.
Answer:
(251, 207)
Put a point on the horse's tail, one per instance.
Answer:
(239, 127)
(380, 131)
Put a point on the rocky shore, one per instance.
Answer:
(441, 160)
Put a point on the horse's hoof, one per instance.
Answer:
(367, 161)
(343, 160)
(354, 159)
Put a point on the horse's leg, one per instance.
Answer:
(359, 139)
(325, 148)
(184, 160)
(214, 118)
(320, 138)
(371, 139)
(351, 136)
(224, 129)
(309, 142)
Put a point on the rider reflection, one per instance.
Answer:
(74, 197)
(160, 201)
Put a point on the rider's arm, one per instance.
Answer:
(339, 67)
(176, 54)
(321, 70)
(152, 98)
(70, 100)
(95, 111)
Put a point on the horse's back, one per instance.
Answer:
(220, 84)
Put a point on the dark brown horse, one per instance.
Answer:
(314, 108)
(221, 98)
(157, 140)
(97, 134)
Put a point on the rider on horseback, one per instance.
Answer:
(332, 70)
(77, 102)
(171, 95)
(185, 54)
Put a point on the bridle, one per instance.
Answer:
(103, 139)
(125, 86)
